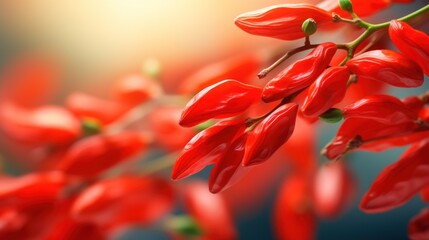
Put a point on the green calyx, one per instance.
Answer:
(309, 27)
(184, 225)
(333, 115)
(346, 5)
(91, 127)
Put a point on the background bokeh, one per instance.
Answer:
(94, 41)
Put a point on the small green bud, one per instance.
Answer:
(333, 115)
(309, 26)
(152, 68)
(346, 5)
(184, 225)
(91, 126)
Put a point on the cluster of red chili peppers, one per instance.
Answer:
(318, 86)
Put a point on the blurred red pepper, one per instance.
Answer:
(411, 42)
(135, 89)
(381, 108)
(70, 229)
(163, 124)
(210, 211)
(207, 147)
(87, 106)
(400, 181)
(414, 104)
(125, 200)
(224, 99)
(299, 74)
(92, 156)
(293, 215)
(228, 169)
(270, 134)
(334, 189)
(418, 228)
(328, 89)
(388, 66)
(282, 21)
(44, 125)
(243, 67)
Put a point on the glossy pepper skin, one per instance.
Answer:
(229, 169)
(281, 21)
(224, 99)
(270, 134)
(400, 181)
(328, 89)
(388, 66)
(411, 42)
(417, 227)
(299, 74)
(381, 108)
(362, 8)
(396, 141)
(91, 156)
(364, 130)
(206, 148)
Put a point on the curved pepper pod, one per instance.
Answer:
(270, 134)
(328, 89)
(91, 156)
(70, 229)
(299, 74)
(388, 66)
(400, 181)
(224, 99)
(362, 8)
(32, 189)
(356, 131)
(334, 188)
(411, 42)
(210, 211)
(228, 170)
(392, 142)
(293, 215)
(45, 125)
(86, 106)
(414, 104)
(417, 227)
(243, 67)
(207, 147)
(136, 89)
(123, 201)
(282, 21)
(381, 108)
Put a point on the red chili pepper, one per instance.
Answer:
(243, 67)
(391, 142)
(328, 89)
(135, 89)
(281, 21)
(400, 181)
(293, 215)
(356, 131)
(70, 229)
(388, 66)
(207, 147)
(163, 125)
(224, 99)
(87, 106)
(123, 201)
(411, 42)
(334, 189)
(425, 194)
(418, 228)
(414, 103)
(91, 156)
(228, 169)
(270, 134)
(45, 125)
(300, 74)
(210, 211)
(32, 189)
(381, 108)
